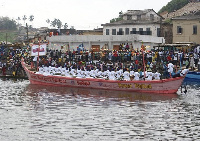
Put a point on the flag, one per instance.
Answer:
(80, 47)
(58, 30)
(143, 47)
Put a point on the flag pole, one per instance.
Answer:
(143, 48)
(38, 56)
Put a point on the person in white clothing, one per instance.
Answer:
(73, 72)
(51, 72)
(63, 71)
(118, 74)
(183, 72)
(40, 71)
(46, 71)
(92, 74)
(126, 76)
(170, 67)
(111, 75)
(79, 75)
(149, 76)
(132, 73)
(157, 76)
(136, 76)
(67, 73)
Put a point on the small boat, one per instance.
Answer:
(192, 76)
(163, 86)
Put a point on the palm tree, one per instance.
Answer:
(24, 18)
(18, 19)
(48, 21)
(59, 23)
(65, 26)
(31, 18)
(54, 22)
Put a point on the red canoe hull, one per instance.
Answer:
(155, 86)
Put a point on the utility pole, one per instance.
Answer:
(6, 39)
(27, 31)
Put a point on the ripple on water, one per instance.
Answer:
(32, 112)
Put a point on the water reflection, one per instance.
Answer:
(33, 112)
(44, 95)
(33, 90)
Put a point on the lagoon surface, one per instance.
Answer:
(32, 113)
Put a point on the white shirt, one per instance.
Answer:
(170, 67)
(126, 76)
(157, 76)
(35, 58)
(112, 75)
(136, 76)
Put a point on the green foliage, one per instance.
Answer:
(11, 36)
(31, 18)
(7, 24)
(173, 5)
(115, 20)
(168, 21)
(65, 26)
(56, 22)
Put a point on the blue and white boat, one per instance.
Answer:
(192, 76)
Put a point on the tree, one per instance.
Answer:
(18, 19)
(59, 23)
(173, 5)
(117, 19)
(65, 26)
(24, 18)
(7, 24)
(31, 18)
(48, 21)
(56, 22)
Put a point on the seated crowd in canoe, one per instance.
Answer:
(119, 74)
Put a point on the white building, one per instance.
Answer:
(142, 22)
(135, 27)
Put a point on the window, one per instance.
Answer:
(138, 17)
(148, 31)
(129, 17)
(127, 31)
(133, 31)
(166, 34)
(113, 31)
(120, 32)
(141, 31)
(194, 29)
(107, 31)
(158, 32)
(151, 17)
(179, 29)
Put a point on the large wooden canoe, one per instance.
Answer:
(166, 86)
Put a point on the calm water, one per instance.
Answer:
(33, 113)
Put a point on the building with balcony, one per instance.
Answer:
(141, 22)
(135, 27)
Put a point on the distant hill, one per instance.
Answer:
(174, 5)
(191, 7)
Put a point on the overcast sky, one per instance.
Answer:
(82, 14)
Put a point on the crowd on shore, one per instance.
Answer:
(124, 60)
